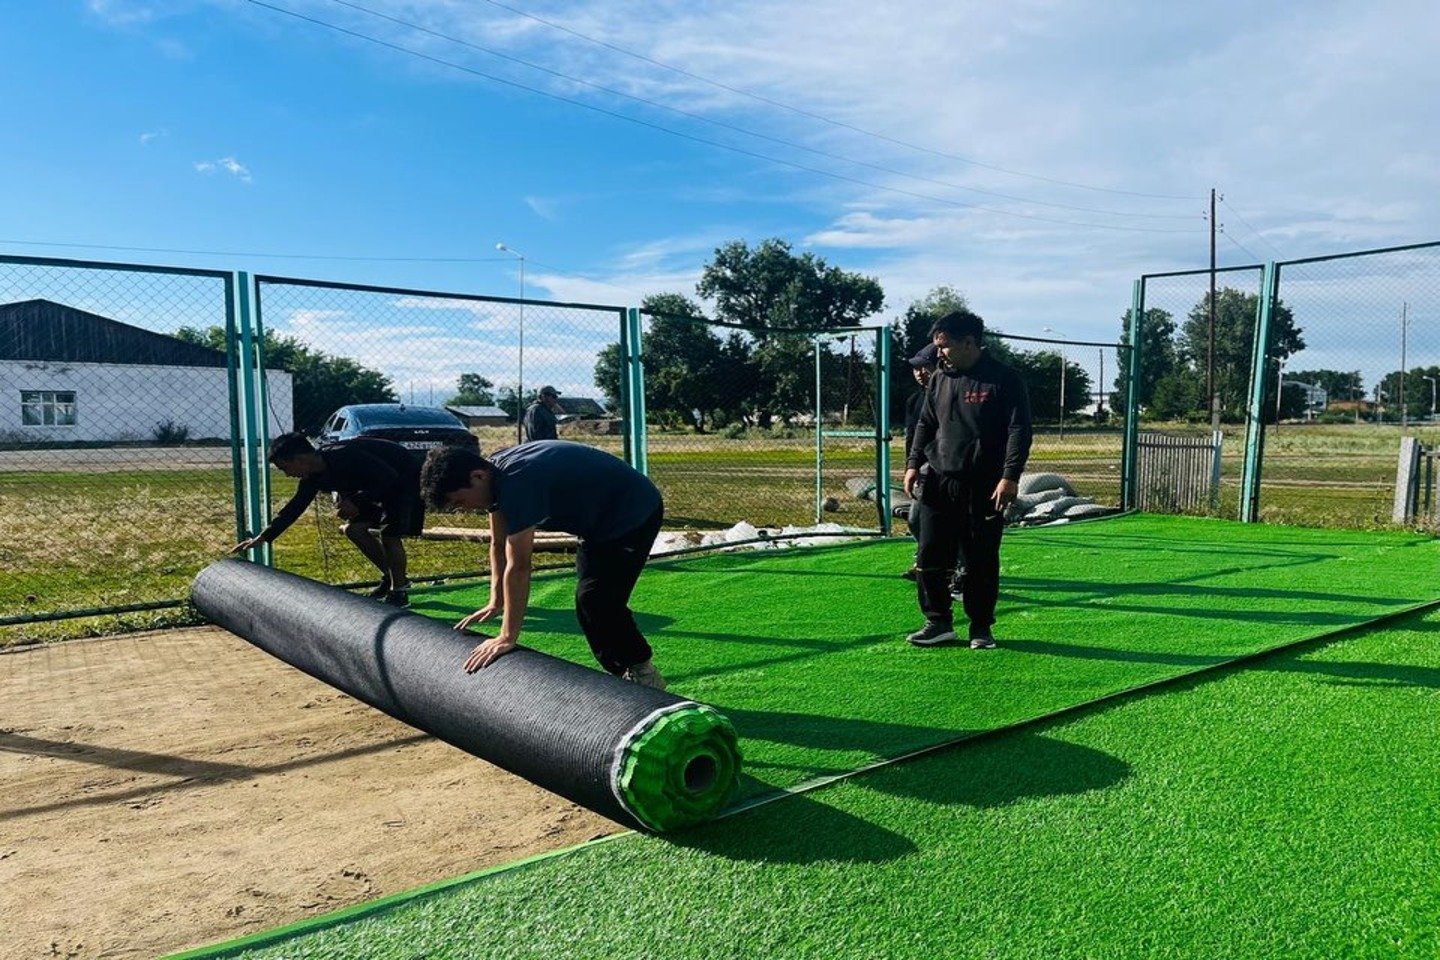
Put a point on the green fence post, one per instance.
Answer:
(1130, 445)
(232, 371)
(625, 386)
(882, 427)
(262, 404)
(1255, 412)
(257, 501)
(819, 433)
(634, 377)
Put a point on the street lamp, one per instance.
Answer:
(520, 375)
(1062, 377)
(1432, 397)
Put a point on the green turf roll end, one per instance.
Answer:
(677, 768)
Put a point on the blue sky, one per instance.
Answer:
(991, 147)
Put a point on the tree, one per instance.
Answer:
(771, 287)
(322, 383)
(911, 333)
(515, 406)
(472, 390)
(1157, 356)
(1040, 369)
(1235, 313)
(1337, 384)
(771, 291)
(1178, 394)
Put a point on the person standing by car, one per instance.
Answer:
(974, 432)
(540, 421)
(376, 485)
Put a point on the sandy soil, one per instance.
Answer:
(171, 789)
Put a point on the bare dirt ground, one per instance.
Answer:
(166, 790)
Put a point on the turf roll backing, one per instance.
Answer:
(640, 756)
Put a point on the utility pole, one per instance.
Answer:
(1210, 390)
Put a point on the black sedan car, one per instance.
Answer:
(417, 428)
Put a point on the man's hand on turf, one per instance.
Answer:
(1004, 495)
(488, 652)
(910, 476)
(480, 616)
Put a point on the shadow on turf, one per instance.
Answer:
(802, 828)
(1343, 672)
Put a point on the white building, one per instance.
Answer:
(71, 376)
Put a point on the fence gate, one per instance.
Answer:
(1179, 474)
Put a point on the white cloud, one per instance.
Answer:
(149, 136)
(122, 13)
(547, 208)
(228, 164)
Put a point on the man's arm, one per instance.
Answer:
(1017, 443)
(518, 552)
(292, 511)
(497, 574)
(926, 425)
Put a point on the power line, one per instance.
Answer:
(242, 253)
(692, 137)
(1253, 255)
(745, 131)
(820, 117)
(1263, 238)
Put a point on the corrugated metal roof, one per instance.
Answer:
(49, 331)
(477, 411)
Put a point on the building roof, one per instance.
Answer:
(478, 411)
(49, 331)
(582, 406)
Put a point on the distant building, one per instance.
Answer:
(582, 407)
(1316, 396)
(482, 416)
(67, 375)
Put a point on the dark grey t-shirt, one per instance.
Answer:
(559, 485)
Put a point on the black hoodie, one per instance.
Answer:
(974, 422)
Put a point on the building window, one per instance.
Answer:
(47, 408)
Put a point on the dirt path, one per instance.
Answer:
(166, 790)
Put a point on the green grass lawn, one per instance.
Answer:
(81, 540)
(1284, 808)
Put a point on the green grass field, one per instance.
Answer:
(1283, 807)
(82, 540)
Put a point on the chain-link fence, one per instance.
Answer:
(766, 427)
(419, 367)
(1195, 358)
(1355, 348)
(117, 415)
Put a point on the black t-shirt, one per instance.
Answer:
(367, 470)
(540, 422)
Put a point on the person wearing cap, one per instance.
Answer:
(613, 509)
(922, 365)
(540, 422)
(974, 432)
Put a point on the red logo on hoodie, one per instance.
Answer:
(978, 396)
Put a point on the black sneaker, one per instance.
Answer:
(397, 598)
(932, 634)
(982, 640)
(911, 574)
(380, 592)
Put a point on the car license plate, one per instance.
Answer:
(419, 444)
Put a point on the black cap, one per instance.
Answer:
(549, 391)
(927, 356)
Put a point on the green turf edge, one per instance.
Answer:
(312, 924)
(265, 938)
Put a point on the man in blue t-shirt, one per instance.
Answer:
(614, 510)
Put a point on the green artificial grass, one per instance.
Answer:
(1288, 809)
(803, 649)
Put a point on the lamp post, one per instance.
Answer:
(1062, 377)
(1432, 397)
(520, 375)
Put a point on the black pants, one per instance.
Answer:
(957, 521)
(607, 574)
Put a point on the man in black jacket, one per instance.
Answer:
(376, 484)
(974, 431)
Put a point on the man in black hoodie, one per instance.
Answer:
(974, 431)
